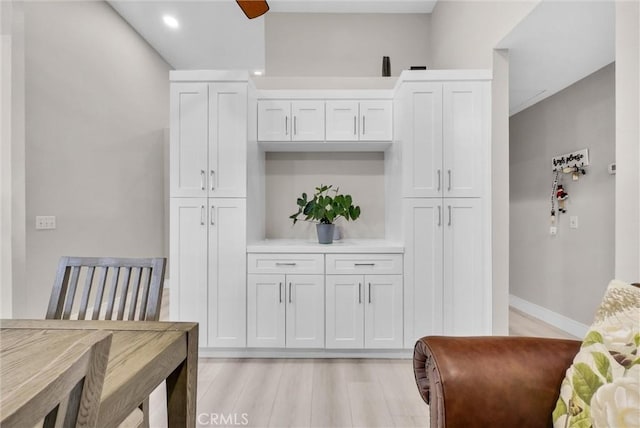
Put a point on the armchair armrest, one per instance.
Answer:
(491, 381)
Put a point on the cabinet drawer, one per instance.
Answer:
(347, 264)
(285, 263)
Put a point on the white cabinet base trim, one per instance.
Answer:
(303, 353)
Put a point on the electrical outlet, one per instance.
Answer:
(553, 231)
(573, 222)
(44, 222)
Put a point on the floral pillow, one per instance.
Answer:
(602, 386)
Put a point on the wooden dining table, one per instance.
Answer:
(143, 354)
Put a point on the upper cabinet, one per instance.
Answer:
(283, 120)
(208, 139)
(325, 121)
(445, 137)
(349, 120)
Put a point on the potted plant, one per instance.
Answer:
(324, 209)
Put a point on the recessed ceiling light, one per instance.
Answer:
(257, 73)
(170, 21)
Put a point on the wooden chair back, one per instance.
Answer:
(107, 289)
(67, 391)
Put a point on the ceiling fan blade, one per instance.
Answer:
(253, 8)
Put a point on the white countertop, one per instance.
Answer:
(370, 246)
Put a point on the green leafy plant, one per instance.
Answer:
(324, 208)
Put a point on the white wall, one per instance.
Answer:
(5, 160)
(96, 107)
(360, 175)
(627, 233)
(566, 273)
(302, 44)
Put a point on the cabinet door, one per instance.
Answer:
(266, 311)
(305, 311)
(422, 172)
(227, 174)
(188, 258)
(464, 139)
(342, 120)
(227, 272)
(423, 235)
(274, 120)
(308, 120)
(188, 134)
(383, 311)
(376, 121)
(464, 298)
(345, 311)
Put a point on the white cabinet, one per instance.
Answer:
(444, 278)
(285, 301)
(349, 120)
(364, 307)
(446, 136)
(208, 265)
(284, 120)
(208, 139)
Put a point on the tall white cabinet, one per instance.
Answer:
(208, 189)
(444, 168)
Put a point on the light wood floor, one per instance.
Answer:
(315, 392)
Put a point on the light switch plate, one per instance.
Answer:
(573, 222)
(44, 222)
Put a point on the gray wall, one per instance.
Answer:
(360, 175)
(96, 106)
(566, 273)
(302, 44)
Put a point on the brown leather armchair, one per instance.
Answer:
(502, 382)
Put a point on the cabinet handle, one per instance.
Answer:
(295, 125)
(202, 178)
(280, 292)
(449, 206)
(355, 124)
(213, 174)
(439, 180)
(289, 292)
(369, 292)
(359, 292)
(364, 125)
(284, 264)
(202, 214)
(439, 215)
(213, 210)
(364, 264)
(286, 125)
(449, 187)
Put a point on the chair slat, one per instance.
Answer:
(145, 294)
(134, 294)
(71, 292)
(124, 292)
(86, 293)
(112, 292)
(102, 279)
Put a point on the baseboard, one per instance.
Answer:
(572, 327)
